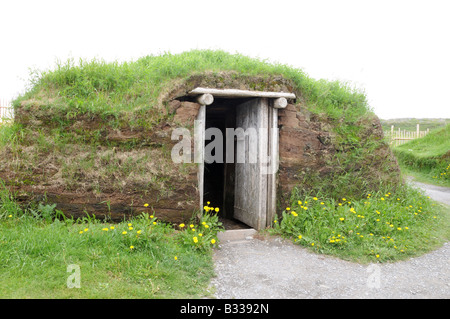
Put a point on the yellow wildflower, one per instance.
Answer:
(181, 225)
(213, 241)
(124, 233)
(195, 240)
(145, 205)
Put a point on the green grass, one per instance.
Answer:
(138, 258)
(114, 90)
(380, 228)
(410, 124)
(427, 158)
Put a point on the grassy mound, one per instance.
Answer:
(94, 136)
(429, 155)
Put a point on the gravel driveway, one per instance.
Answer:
(273, 268)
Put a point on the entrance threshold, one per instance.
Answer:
(236, 234)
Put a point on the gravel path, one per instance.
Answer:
(273, 268)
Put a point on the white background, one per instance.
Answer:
(398, 52)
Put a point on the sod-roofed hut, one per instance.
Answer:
(101, 138)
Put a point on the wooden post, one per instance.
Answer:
(280, 103)
(418, 130)
(205, 99)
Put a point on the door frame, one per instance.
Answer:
(275, 101)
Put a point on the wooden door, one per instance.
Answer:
(251, 181)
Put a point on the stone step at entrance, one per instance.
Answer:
(236, 234)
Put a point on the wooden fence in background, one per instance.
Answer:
(6, 110)
(399, 137)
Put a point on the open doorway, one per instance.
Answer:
(219, 175)
(243, 189)
(235, 177)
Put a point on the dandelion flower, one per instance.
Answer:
(195, 239)
(287, 208)
(378, 256)
(312, 244)
(315, 198)
(200, 235)
(207, 226)
(112, 227)
(145, 205)
(192, 226)
(341, 219)
(124, 233)
(299, 236)
(9, 216)
(86, 229)
(105, 229)
(80, 232)
(299, 202)
(181, 225)
(322, 203)
(176, 258)
(382, 198)
(139, 231)
(154, 223)
(130, 228)
(213, 241)
(131, 247)
(217, 209)
(129, 225)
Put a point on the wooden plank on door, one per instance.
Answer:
(250, 204)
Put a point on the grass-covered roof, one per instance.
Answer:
(132, 90)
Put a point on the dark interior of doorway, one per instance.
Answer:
(219, 179)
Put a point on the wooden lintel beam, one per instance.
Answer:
(234, 93)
